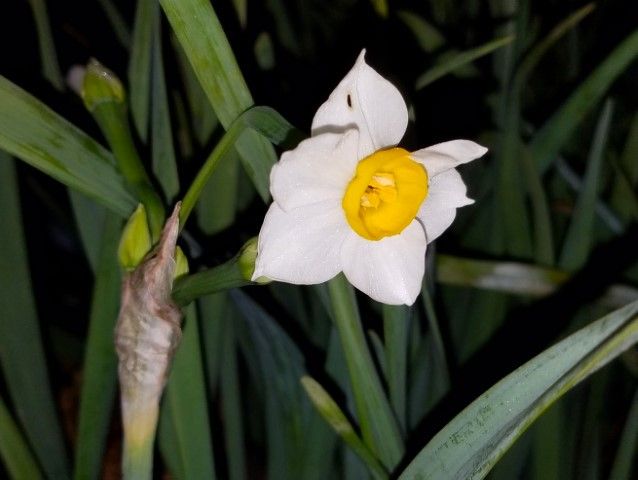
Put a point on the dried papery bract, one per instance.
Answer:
(147, 333)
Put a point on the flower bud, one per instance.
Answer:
(135, 242)
(100, 85)
(246, 262)
(147, 333)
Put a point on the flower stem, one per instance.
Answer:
(396, 327)
(378, 425)
(139, 437)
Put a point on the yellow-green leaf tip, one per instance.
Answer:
(100, 85)
(181, 263)
(247, 258)
(135, 242)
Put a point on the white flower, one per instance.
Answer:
(345, 200)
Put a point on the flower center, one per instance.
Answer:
(385, 194)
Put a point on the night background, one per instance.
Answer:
(548, 248)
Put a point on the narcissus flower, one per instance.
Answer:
(347, 199)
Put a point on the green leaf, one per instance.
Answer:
(396, 328)
(427, 36)
(335, 417)
(185, 396)
(120, 28)
(579, 239)
(509, 277)
(89, 220)
(231, 402)
(164, 163)
(217, 203)
(549, 140)
(139, 68)
(470, 445)
(299, 446)
(626, 453)
(202, 38)
(34, 133)
(22, 355)
(377, 422)
(14, 451)
(264, 120)
(48, 56)
(100, 363)
(460, 60)
(217, 279)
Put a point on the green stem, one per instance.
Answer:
(378, 426)
(204, 174)
(112, 119)
(139, 438)
(396, 325)
(225, 276)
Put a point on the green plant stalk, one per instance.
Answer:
(204, 174)
(396, 327)
(112, 119)
(379, 428)
(139, 438)
(223, 277)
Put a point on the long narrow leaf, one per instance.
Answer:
(164, 163)
(14, 450)
(100, 364)
(21, 352)
(459, 61)
(579, 240)
(185, 396)
(139, 69)
(558, 129)
(470, 445)
(48, 55)
(34, 133)
(202, 37)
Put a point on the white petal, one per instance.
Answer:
(446, 193)
(368, 101)
(443, 156)
(302, 245)
(389, 270)
(318, 169)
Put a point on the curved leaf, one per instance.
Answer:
(470, 445)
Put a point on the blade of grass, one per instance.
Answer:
(396, 326)
(206, 46)
(264, 120)
(100, 363)
(335, 417)
(378, 425)
(460, 60)
(427, 36)
(48, 55)
(163, 154)
(575, 182)
(22, 355)
(34, 133)
(139, 68)
(297, 448)
(219, 194)
(579, 239)
(89, 221)
(626, 453)
(120, 28)
(203, 116)
(231, 403)
(14, 451)
(551, 137)
(470, 445)
(185, 396)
